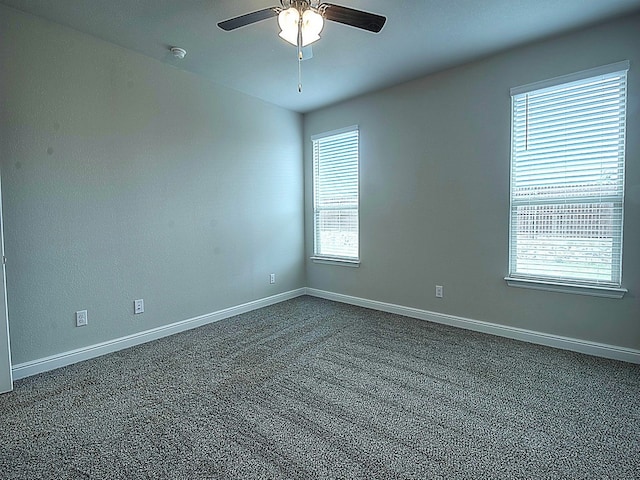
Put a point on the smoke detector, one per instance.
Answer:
(178, 52)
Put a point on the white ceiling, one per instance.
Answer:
(420, 37)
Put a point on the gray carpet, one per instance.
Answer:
(314, 389)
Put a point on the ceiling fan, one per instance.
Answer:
(302, 21)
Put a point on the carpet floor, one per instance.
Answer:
(312, 389)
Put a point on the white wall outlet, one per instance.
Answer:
(81, 318)
(138, 306)
(272, 278)
(439, 291)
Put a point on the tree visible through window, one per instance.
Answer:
(335, 194)
(567, 178)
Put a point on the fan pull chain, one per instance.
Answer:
(299, 72)
(300, 55)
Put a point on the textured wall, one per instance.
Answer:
(125, 178)
(435, 192)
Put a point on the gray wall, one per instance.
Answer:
(435, 192)
(125, 178)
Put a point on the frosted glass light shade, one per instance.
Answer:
(290, 36)
(288, 20)
(311, 25)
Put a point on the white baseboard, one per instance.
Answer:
(52, 362)
(556, 341)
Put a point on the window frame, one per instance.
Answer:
(318, 257)
(551, 283)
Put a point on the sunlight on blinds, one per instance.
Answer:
(335, 182)
(567, 181)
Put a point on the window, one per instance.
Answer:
(335, 195)
(567, 181)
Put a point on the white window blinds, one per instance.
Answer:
(567, 179)
(335, 194)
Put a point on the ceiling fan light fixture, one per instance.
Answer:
(290, 20)
(290, 36)
(302, 21)
(312, 24)
(309, 39)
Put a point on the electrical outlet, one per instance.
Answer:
(138, 306)
(439, 291)
(81, 318)
(272, 278)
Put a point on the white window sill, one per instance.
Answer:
(344, 262)
(594, 291)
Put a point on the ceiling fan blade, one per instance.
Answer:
(354, 18)
(249, 18)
